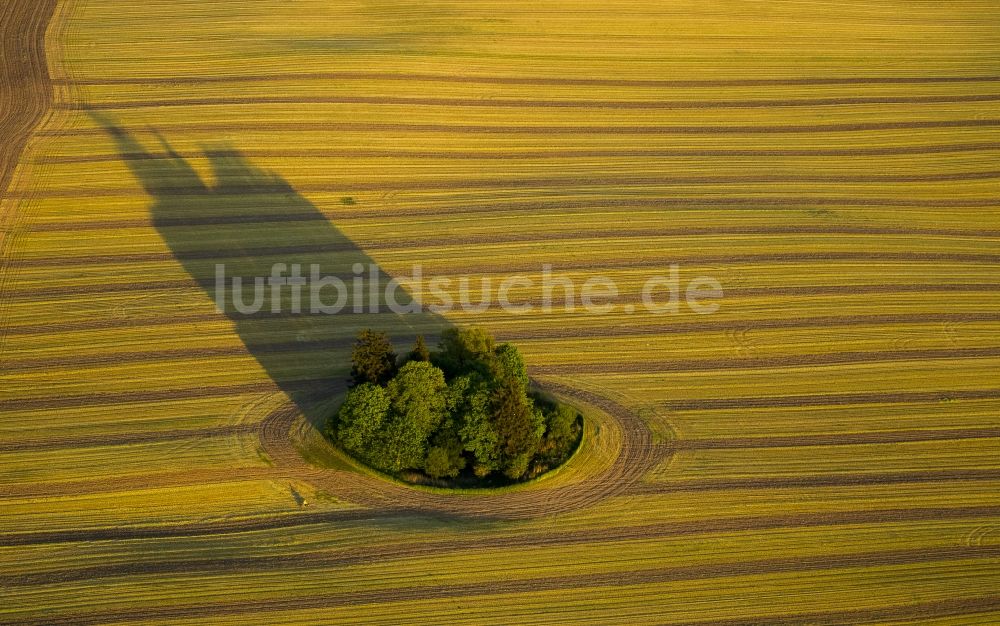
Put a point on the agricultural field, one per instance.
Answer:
(823, 448)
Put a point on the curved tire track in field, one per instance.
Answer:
(25, 88)
(636, 456)
(383, 498)
(25, 97)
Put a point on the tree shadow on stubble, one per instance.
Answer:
(248, 219)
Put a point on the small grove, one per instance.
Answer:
(462, 414)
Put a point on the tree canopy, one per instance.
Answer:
(373, 359)
(463, 410)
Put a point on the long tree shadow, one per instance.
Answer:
(247, 220)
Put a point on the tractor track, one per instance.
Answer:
(512, 182)
(576, 581)
(408, 243)
(621, 105)
(25, 88)
(363, 555)
(535, 80)
(824, 321)
(553, 153)
(494, 207)
(818, 480)
(637, 455)
(648, 367)
(539, 129)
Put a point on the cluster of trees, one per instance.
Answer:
(464, 409)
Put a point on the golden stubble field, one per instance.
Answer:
(825, 448)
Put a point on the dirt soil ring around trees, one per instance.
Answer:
(618, 448)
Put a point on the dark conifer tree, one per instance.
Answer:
(373, 359)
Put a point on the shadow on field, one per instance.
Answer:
(249, 219)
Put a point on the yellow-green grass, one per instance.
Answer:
(795, 461)
(157, 506)
(194, 454)
(302, 580)
(824, 443)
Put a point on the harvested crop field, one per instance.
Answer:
(823, 448)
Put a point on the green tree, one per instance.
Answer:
(444, 458)
(509, 365)
(402, 445)
(419, 399)
(361, 419)
(560, 434)
(449, 460)
(517, 466)
(373, 359)
(519, 424)
(465, 349)
(419, 351)
(439, 463)
(438, 412)
(471, 412)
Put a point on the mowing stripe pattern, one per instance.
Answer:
(822, 449)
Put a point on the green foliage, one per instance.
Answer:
(438, 464)
(420, 351)
(465, 349)
(519, 425)
(465, 406)
(448, 440)
(402, 445)
(445, 458)
(419, 403)
(562, 424)
(508, 365)
(418, 394)
(362, 417)
(517, 466)
(561, 433)
(373, 359)
(477, 431)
